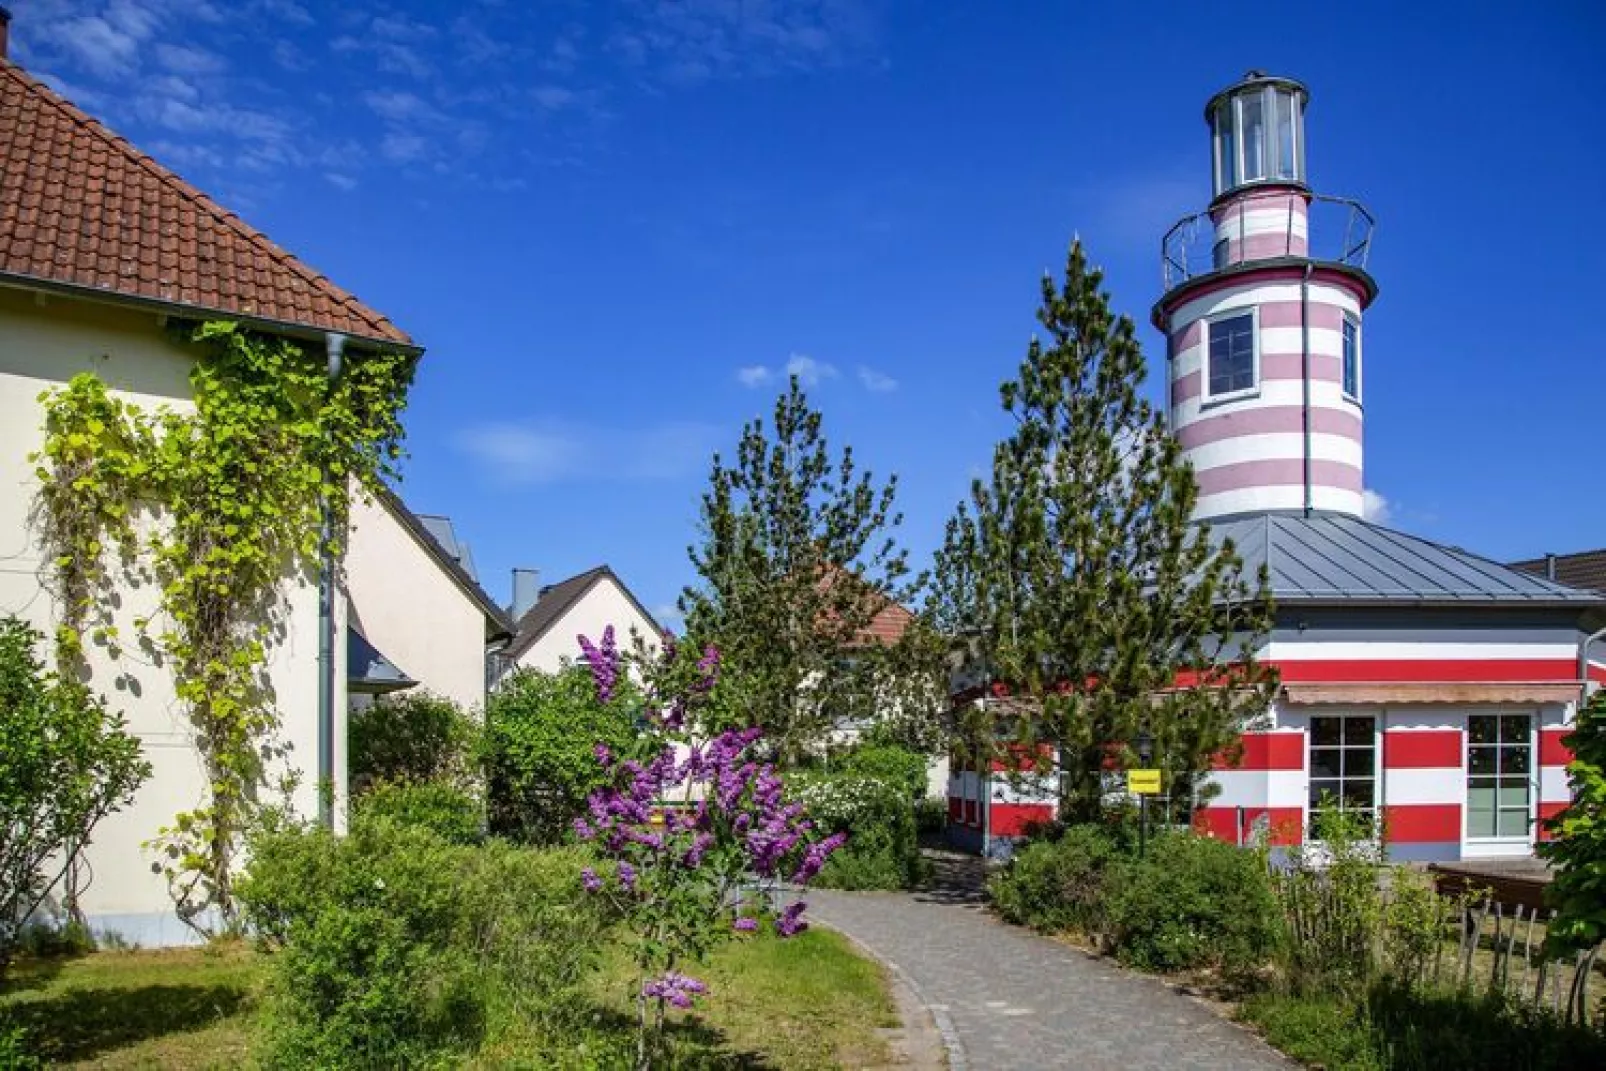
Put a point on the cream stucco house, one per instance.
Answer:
(548, 620)
(100, 249)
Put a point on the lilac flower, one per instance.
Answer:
(678, 989)
(583, 830)
(604, 756)
(589, 879)
(815, 857)
(604, 663)
(627, 877)
(791, 921)
(745, 925)
(699, 847)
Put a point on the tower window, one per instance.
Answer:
(1352, 357)
(1230, 365)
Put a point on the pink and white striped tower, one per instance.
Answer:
(1262, 310)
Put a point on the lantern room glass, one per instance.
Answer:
(1257, 136)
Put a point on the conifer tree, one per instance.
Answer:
(797, 559)
(1077, 580)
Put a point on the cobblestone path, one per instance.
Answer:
(1006, 999)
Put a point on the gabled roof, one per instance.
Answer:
(497, 624)
(556, 600)
(1585, 570)
(1338, 559)
(445, 534)
(83, 211)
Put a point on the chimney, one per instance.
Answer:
(1550, 567)
(526, 590)
(5, 32)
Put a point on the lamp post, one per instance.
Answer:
(1145, 746)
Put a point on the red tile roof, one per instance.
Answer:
(80, 207)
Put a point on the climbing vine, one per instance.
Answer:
(235, 491)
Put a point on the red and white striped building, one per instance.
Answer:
(1419, 682)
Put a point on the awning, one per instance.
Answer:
(1431, 692)
(368, 672)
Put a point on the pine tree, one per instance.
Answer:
(797, 559)
(1079, 583)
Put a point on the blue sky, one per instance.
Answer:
(614, 225)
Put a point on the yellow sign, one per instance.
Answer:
(1143, 782)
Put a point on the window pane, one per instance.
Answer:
(1482, 760)
(1359, 762)
(1357, 792)
(1325, 762)
(1483, 729)
(1359, 731)
(1326, 731)
(1254, 136)
(1227, 146)
(1514, 729)
(1232, 354)
(1480, 822)
(1323, 792)
(1514, 792)
(1285, 135)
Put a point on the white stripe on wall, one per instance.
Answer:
(1383, 649)
(1291, 496)
(1253, 294)
(1273, 392)
(1553, 786)
(1427, 785)
(1241, 448)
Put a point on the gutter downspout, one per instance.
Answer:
(1583, 662)
(1304, 367)
(336, 345)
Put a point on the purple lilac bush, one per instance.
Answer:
(699, 836)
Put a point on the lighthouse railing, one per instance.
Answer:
(1334, 230)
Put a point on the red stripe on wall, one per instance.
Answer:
(1417, 823)
(1410, 749)
(1332, 671)
(1018, 819)
(1552, 752)
(956, 810)
(1546, 811)
(1268, 751)
(1222, 823)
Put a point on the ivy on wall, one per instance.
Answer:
(221, 509)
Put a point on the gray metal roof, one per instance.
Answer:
(369, 671)
(446, 535)
(1337, 558)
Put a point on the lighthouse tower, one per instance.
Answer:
(1264, 295)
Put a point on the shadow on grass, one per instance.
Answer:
(81, 1023)
(1444, 1028)
(689, 1043)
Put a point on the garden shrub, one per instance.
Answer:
(541, 732)
(1057, 885)
(66, 762)
(396, 948)
(1190, 902)
(889, 763)
(414, 736)
(931, 815)
(454, 813)
(883, 847)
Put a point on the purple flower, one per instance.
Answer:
(815, 857)
(678, 989)
(699, 847)
(604, 756)
(604, 663)
(791, 921)
(745, 925)
(583, 830)
(627, 876)
(589, 879)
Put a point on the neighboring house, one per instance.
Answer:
(417, 614)
(549, 620)
(100, 246)
(1585, 570)
(1420, 684)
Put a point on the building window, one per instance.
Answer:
(1352, 357)
(1231, 359)
(1343, 767)
(1499, 775)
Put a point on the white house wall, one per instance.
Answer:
(411, 610)
(604, 604)
(41, 347)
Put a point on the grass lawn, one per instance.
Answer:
(810, 1002)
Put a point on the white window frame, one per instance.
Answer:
(1269, 141)
(1253, 390)
(1378, 717)
(1360, 383)
(1487, 846)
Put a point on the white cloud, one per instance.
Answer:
(1375, 508)
(668, 615)
(399, 106)
(808, 371)
(553, 97)
(401, 148)
(526, 454)
(184, 59)
(753, 375)
(339, 181)
(877, 382)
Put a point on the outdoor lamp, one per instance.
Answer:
(1145, 745)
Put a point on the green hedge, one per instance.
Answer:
(397, 948)
(883, 847)
(451, 812)
(1057, 885)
